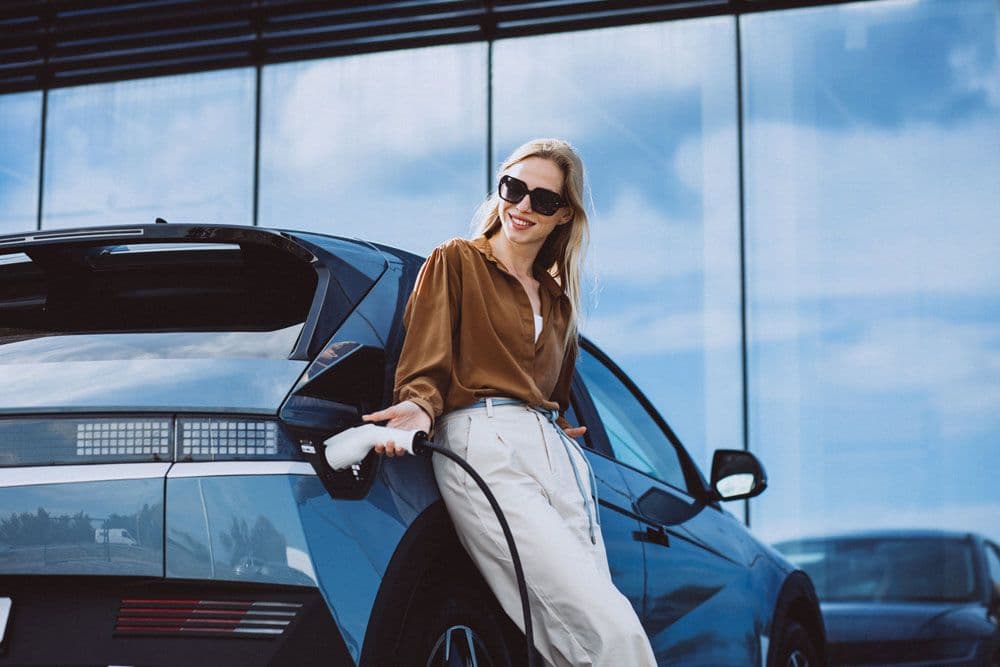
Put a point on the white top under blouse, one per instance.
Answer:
(538, 326)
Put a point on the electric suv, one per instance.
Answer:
(165, 392)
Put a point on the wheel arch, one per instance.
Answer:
(429, 551)
(797, 601)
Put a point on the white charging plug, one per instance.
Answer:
(352, 445)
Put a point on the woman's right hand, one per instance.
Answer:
(405, 415)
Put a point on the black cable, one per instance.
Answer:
(422, 445)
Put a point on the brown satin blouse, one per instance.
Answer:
(470, 333)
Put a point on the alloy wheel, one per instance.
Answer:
(459, 646)
(797, 659)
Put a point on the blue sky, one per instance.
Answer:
(872, 147)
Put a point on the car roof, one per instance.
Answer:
(886, 533)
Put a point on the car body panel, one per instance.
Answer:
(700, 603)
(51, 528)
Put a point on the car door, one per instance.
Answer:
(698, 606)
(618, 522)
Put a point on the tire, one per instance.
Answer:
(795, 648)
(449, 622)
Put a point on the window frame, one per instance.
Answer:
(597, 437)
(991, 547)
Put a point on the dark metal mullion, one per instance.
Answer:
(41, 157)
(743, 263)
(489, 34)
(258, 71)
(489, 116)
(256, 148)
(45, 79)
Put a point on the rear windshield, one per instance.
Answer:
(887, 569)
(62, 303)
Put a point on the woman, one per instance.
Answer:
(486, 367)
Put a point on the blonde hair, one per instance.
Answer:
(563, 253)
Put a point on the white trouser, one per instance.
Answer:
(578, 615)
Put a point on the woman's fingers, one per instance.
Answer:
(381, 415)
(389, 449)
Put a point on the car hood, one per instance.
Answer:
(883, 622)
(226, 385)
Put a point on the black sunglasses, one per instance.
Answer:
(543, 201)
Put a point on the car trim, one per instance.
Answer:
(66, 474)
(231, 468)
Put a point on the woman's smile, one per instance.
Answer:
(520, 223)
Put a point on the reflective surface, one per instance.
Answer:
(652, 109)
(160, 345)
(178, 147)
(180, 384)
(388, 146)
(236, 528)
(873, 281)
(20, 137)
(99, 528)
(888, 569)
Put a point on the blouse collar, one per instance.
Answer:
(482, 244)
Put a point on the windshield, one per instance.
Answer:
(887, 569)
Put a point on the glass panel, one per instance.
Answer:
(993, 561)
(388, 147)
(887, 569)
(652, 109)
(873, 265)
(20, 146)
(636, 440)
(178, 147)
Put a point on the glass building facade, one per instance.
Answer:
(795, 241)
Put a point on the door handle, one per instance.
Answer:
(653, 535)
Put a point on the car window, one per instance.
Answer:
(993, 560)
(635, 438)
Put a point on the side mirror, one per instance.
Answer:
(736, 474)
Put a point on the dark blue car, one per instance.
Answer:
(906, 597)
(165, 391)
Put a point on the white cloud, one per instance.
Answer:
(651, 329)
(189, 161)
(972, 75)
(872, 211)
(583, 78)
(348, 119)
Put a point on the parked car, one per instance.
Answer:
(181, 379)
(114, 536)
(906, 597)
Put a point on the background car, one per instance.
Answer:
(178, 381)
(906, 597)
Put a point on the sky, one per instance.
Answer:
(871, 165)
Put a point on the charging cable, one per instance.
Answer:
(352, 445)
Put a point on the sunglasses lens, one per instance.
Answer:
(512, 189)
(545, 202)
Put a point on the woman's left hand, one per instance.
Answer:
(575, 431)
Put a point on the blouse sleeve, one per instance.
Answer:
(560, 394)
(430, 319)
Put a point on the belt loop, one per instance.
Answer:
(489, 406)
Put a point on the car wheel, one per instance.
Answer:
(795, 648)
(456, 625)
